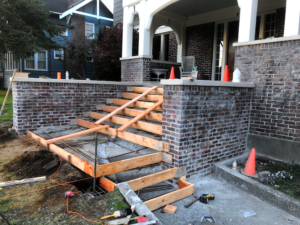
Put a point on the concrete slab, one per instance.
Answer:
(228, 207)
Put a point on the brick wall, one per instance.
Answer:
(280, 21)
(199, 43)
(172, 56)
(275, 68)
(205, 125)
(54, 104)
(135, 70)
(156, 65)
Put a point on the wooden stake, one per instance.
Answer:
(7, 92)
(138, 117)
(126, 105)
(92, 130)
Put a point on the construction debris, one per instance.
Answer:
(170, 209)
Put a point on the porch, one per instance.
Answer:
(204, 29)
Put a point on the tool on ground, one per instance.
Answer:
(119, 213)
(122, 221)
(69, 194)
(146, 223)
(205, 197)
(210, 219)
(192, 202)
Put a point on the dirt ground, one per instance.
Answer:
(20, 159)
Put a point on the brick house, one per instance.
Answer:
(83, 18)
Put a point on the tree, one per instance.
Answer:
(24, 28)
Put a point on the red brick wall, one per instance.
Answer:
(199, 43)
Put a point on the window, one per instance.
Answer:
(219, 53)
(59, 54)
(65, 33)
(37, 62)
(89, 30)
(10, 63)
(270, 25)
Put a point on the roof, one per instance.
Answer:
(59, 6)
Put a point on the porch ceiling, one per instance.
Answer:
(188, 8)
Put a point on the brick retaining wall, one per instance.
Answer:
(205, 125)
(38, 104)
(275, 68)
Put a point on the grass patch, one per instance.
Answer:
(8, 109)
(116, 201)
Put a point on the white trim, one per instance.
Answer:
(265, 41)
(35, 62)
(73, 9)
(89, 37)
(62, 55)
(92, 15)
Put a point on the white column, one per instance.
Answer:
(127, 33)
(162, 47)
(248, 14)
(292, 18)
(144, 34)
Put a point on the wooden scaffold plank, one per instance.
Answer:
(137, 104)
(133, 113)
(159, 91)
(138, 117)
(151, 98)
(153, 128)
(127, 136)
(126, 105)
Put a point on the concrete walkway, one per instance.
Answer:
(226, 208)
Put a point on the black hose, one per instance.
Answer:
(4, 218)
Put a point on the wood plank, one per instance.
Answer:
(153, 128)
(159, 91)
(126, 105)
(128, 164)
(138, 139)
(152, 179)
(133, 113)
(80, 133)
(72, 159)
(138, 104)
(182, 184)
(106, 184)
(166, 199)
(150, 98)
(138, 117)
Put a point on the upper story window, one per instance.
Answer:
(10, 63)
(59, 54)
(89, 30)
(270, 25)
(37, 62)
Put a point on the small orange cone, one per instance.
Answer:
(226, 74)
(250, 165)
(172, 75)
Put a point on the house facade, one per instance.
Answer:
(81, 19)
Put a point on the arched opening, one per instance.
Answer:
(165, 44)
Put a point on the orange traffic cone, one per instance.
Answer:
(226, 74)
(172, 75)
(250, 165)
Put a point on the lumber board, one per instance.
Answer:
(150, 98)
(159, 91)
(182, 183)
(135, 138)
(106, 184)
(126, 105)
(128, 164)
(169, 198)
(133, 113)
(137, 104)
(146, 181)
(77, 134)
(138, 117)
(67, 156)
(153, 128)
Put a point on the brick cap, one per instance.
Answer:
(208, 83)
(137, 57)
(265, 41)
(41, 80)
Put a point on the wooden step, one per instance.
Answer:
(152, 128)
(150, 98)
(159, 91)
(131, 112)
(137, 104)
